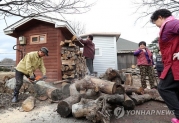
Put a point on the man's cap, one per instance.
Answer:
(44, 50)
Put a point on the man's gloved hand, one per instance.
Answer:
(44, 77)
(32, 77)
(78, 38)
(176, 55)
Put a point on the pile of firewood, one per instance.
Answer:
(97, 98)
(73, 63)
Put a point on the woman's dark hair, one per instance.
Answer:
(142, 42)
(90, 36)
(164, 13)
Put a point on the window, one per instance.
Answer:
(38, 39)
(98, 52)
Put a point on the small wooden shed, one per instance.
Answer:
(35, 32)
(105, 50)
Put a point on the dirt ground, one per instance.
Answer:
(45, 112)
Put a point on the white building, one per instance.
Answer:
(105, 51)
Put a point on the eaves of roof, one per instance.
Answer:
(58, 23)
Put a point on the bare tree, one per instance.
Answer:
(78, 26)
(7, 61)
(146, 7)
(29, 8)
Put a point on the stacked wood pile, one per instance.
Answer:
(73, 63)
(97, 98)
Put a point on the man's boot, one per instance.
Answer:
(15, 97)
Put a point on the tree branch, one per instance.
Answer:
(26, 8)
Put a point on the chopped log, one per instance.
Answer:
(96, 84)
(65, 76)
(73, 38)
(122, 76)
(154, 94)
(64, 57)
(73, 54)
(90, 94)
(69, 72)
(68, 62)
(68, 77)
(131, 89)
(94, 110)
(66, 89)
(120, 89)
(42, 89)
(113, 99)
(83, 85)
(117, 80)
(133, 66)
(103, 76)
(63, 68)
(71, 45)
(140, 99)
(68, 53)
(28, 104)
(110, 73)
(84, 107)
(129, 79)
(54, 94)
(114, 76)
(64, 107)
(57, 82)
(62, 43)
(67, 41)
(73, 91)
(74, 58)
(128, 103)
(104, 86)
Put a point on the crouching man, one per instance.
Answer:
(27, 66)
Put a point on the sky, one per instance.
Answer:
(105, 16)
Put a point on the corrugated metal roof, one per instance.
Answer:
(116, 34)
(126, 45)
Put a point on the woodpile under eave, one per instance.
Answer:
(73, 62)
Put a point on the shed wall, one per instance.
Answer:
(53, 61)
(126, 60)
(108, 56)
